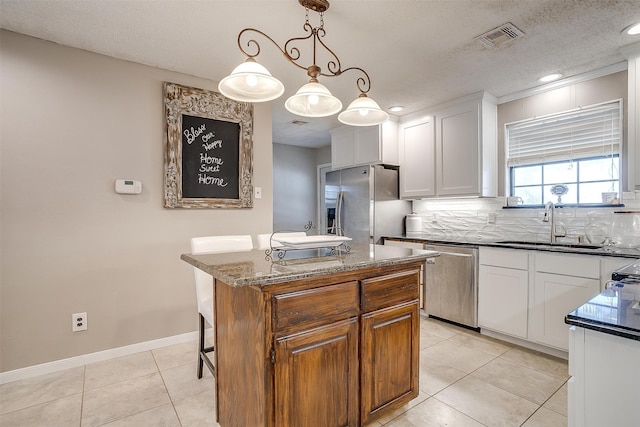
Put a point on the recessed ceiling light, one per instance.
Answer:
(633, 29)
(549, 78)
(396, 108)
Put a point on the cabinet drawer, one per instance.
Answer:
(569, 265)
(504, 258)
(314, 307)
(392, 289)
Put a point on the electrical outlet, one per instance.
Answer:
(79, 322)
(491, 218)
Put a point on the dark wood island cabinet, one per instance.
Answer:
(323, 341)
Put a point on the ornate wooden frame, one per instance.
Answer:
(179, 100)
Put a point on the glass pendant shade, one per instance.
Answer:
(363, 111)
(313, 100)
(251, 82)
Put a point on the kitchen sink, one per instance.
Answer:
(549, 244)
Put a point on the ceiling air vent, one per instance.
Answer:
(500, 35)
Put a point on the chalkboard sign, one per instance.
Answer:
(208, 149)
(210, 158)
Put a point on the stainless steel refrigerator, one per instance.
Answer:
(362, 203)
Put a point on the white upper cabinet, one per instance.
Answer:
(418, 159)
(353, 145)
(342, 147)
(460, 158)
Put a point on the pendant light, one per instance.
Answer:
(251, 82)
(313, 99)
(363, 111)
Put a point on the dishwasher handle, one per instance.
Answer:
(459, 252)
(454, 254)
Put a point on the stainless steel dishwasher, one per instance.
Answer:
(451, 284)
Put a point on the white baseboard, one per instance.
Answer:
(99, 356)
(527, 344)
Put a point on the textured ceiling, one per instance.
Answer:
(418, 52)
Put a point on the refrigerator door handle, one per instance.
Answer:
(338, 221)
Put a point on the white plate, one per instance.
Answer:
(311, 242)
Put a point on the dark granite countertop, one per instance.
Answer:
(615, 311)
(253, 268)
(537, 246)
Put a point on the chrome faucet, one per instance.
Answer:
(550, 214)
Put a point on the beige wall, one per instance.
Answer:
(72, 122)
(602, 89)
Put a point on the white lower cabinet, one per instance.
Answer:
(562, 283)
(603, 389)
(503, 294)
(527, 294)
(554, 297)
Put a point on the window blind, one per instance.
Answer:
(577, 134)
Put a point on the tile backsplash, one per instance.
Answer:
(485, 219)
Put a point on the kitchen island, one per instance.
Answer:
(317, 338)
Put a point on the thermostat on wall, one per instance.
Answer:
(128, 186)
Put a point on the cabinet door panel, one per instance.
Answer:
(554, 297)
(313, 367)
(390, 359)
(342, 147)
(503, 300)
(417, 157)
(367, 145)
(458, 144)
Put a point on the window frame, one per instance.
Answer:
(577, 183)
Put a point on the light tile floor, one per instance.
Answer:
(466, 379)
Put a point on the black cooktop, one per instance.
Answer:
(631, 270)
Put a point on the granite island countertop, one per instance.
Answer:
(615, 311)
(255, 268)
